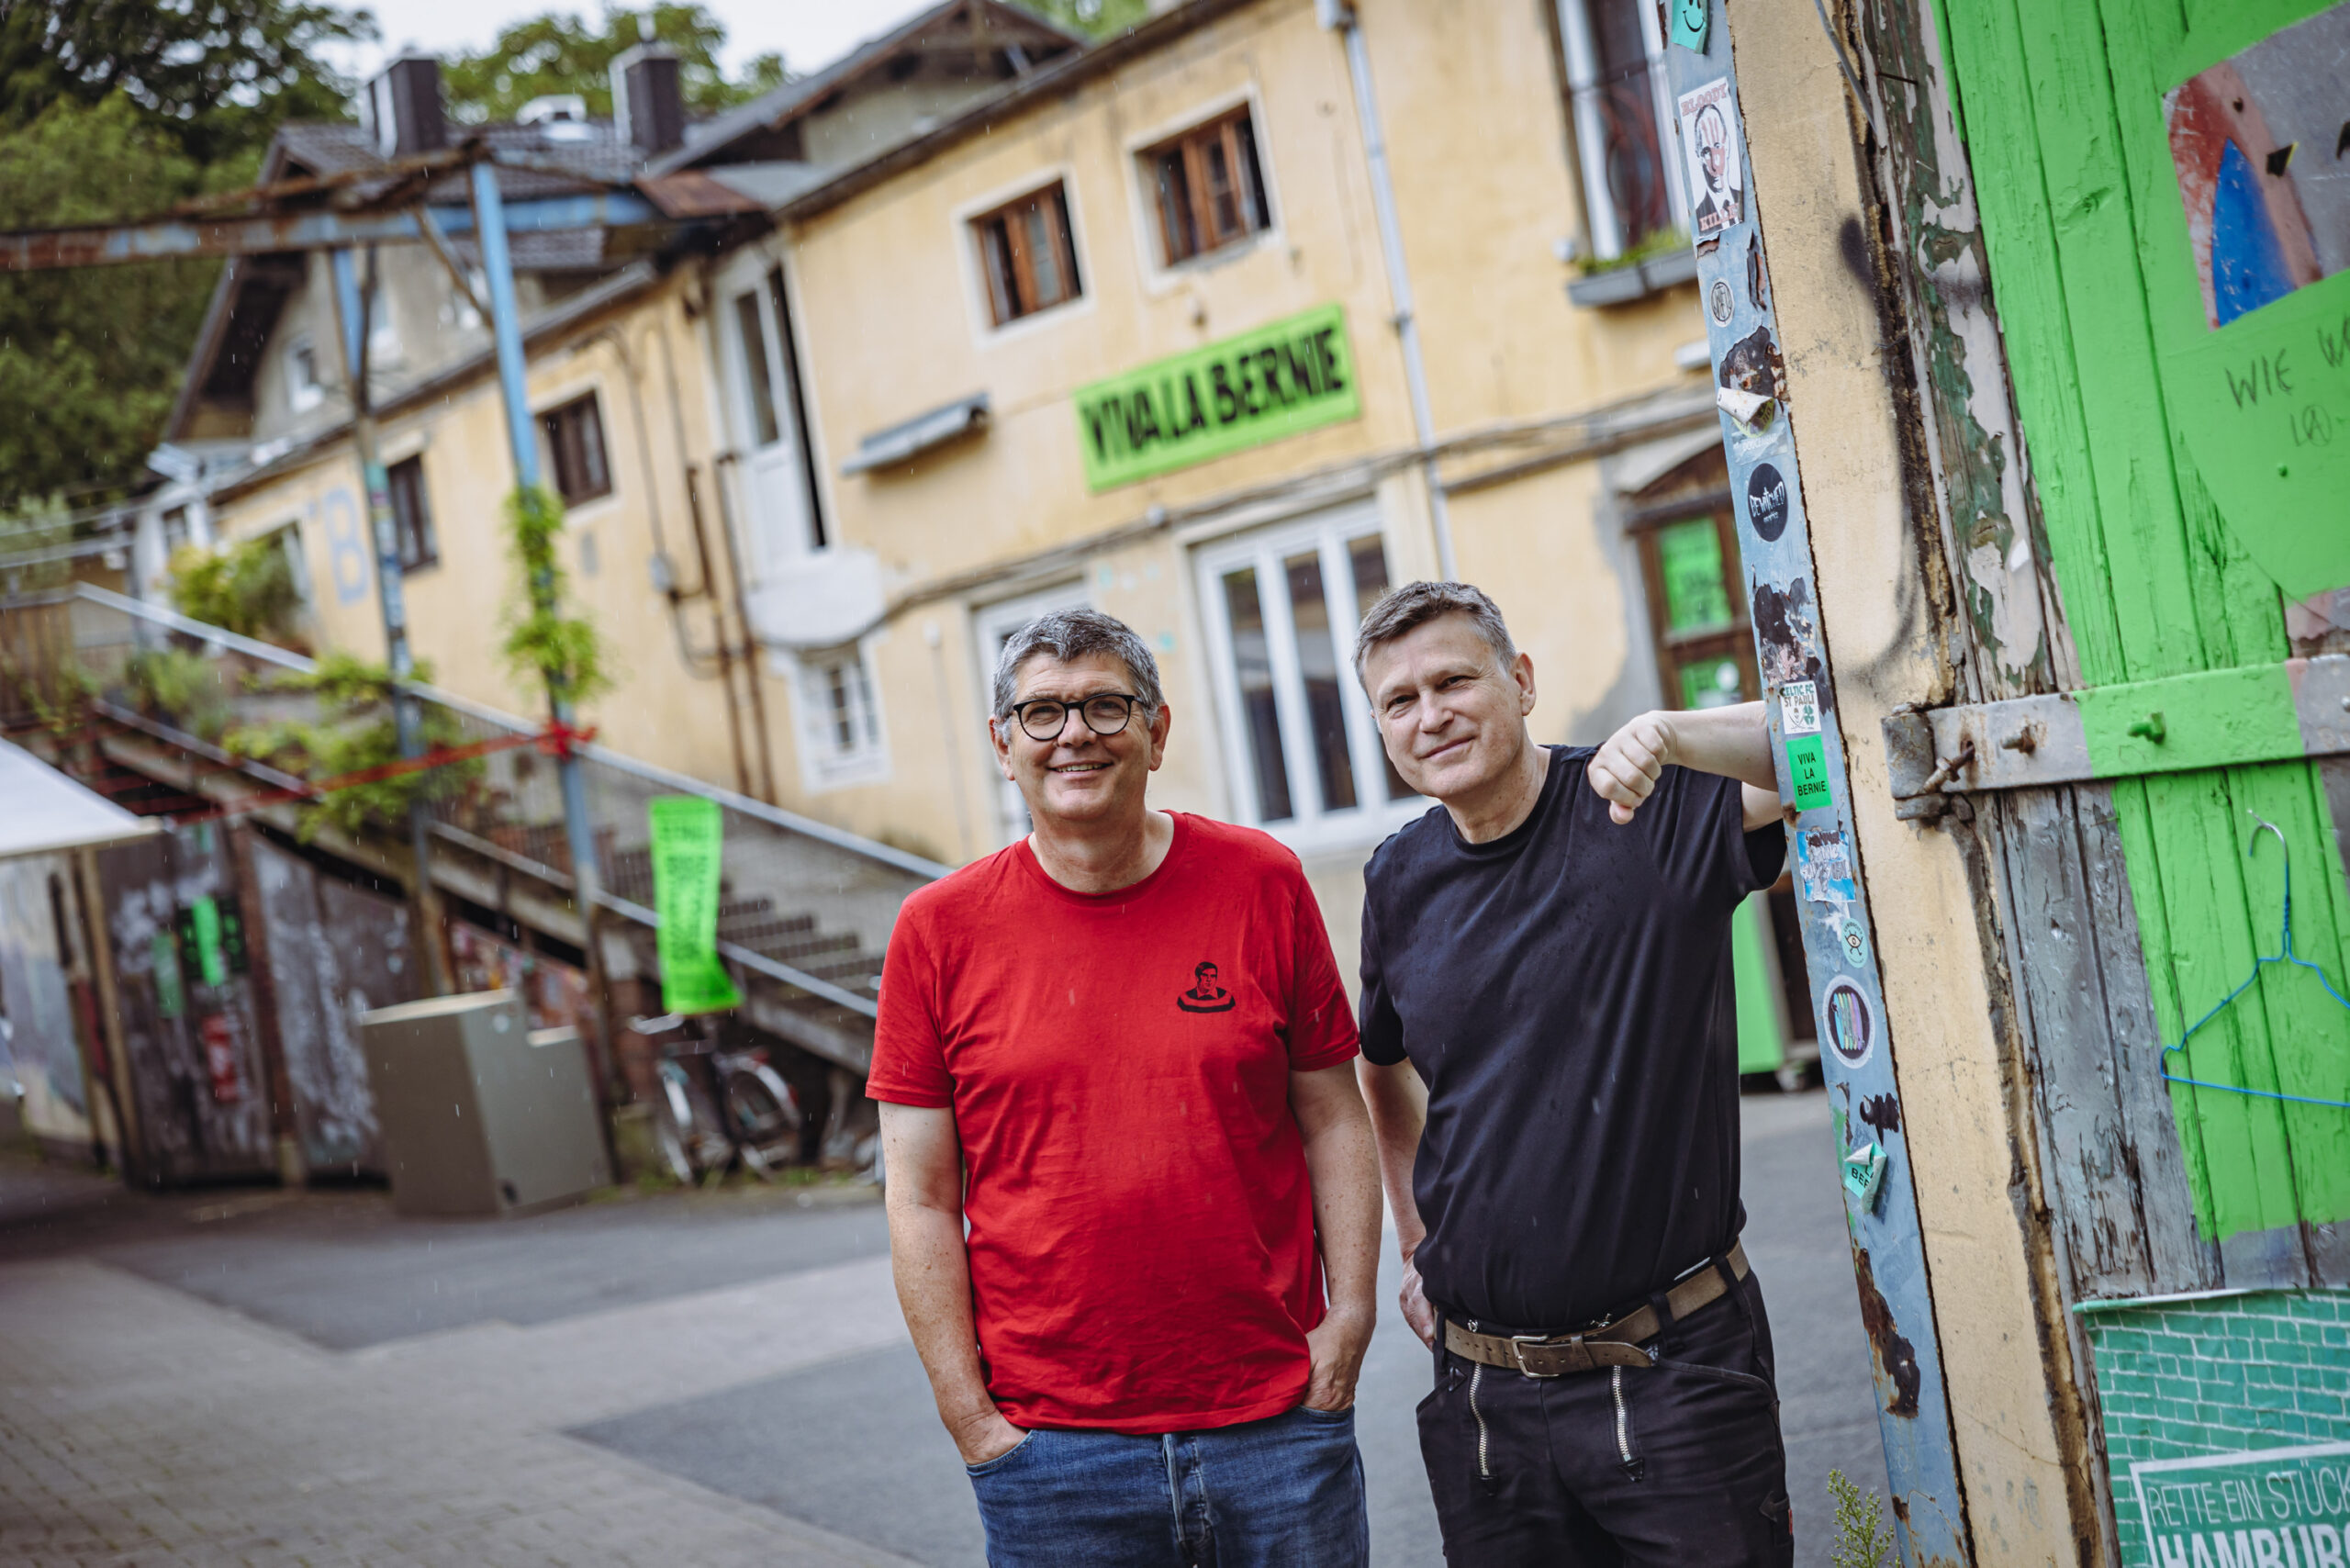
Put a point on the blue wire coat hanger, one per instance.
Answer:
(2285, 955)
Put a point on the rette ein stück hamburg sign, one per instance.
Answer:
(1293, 376)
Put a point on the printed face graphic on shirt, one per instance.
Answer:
(1205, 995)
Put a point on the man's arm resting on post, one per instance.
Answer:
(1734, 743)
(924, 1159)
(1399, 1110)
(1344, 1170)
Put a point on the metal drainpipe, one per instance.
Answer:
(1339, 16)
(354, 309)
(521, 434)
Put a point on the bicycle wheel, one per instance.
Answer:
(673, 1120)
(765, 1118)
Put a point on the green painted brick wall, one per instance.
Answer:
(2235, 1373)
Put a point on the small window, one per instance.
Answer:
(303, 391)
(576, 441)
(411, 515)
(1027, 253)
(1208, 186)
(840, 723)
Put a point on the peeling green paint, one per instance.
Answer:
(2083, 231)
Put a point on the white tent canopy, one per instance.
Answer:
(42, 812)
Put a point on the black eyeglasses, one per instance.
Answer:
(1105, 713)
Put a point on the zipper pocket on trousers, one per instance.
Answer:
(1623, 1423)
(1476, 1376)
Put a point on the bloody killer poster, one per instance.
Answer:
(1294, 375)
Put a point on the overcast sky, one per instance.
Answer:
(808, 33)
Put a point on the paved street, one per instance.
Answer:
(250, 1376)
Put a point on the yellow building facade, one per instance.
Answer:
(875, 410)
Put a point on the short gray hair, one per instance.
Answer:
(1413, 605)
(1066, 635)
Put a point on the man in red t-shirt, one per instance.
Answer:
(1119, 1112)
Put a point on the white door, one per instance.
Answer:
(781, 521)
(996, 624)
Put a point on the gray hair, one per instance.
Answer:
(1066, 635)
(1413, 605)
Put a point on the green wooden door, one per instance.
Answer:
(2106, 246)
(2166, 220)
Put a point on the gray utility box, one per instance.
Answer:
(480, 1115)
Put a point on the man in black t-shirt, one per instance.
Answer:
(1549, 1051)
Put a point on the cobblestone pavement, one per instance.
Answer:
(140, 1426)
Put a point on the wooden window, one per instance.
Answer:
(1704, 654)
(1208, 186)
(576, 440)
(411, 515)
(1028, 255)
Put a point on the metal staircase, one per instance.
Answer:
(807, 908)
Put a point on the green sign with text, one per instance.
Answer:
(1295, 375)
(688, 846)
(2288, 1507)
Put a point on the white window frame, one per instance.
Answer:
(990, 624)
(1580, 44)
(1310, 827)
(824, 765)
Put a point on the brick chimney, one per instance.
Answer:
(648, 100)
(401, 107)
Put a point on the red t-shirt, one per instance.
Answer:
(1141, 1224)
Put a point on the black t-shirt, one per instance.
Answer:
(1565, 990)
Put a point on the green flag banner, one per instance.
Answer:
(687, 838)
(1293, 376)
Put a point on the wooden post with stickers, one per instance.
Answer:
(1759, 438)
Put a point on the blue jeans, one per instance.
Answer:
(1282, 1492)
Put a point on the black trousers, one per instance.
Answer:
(1671, 1465)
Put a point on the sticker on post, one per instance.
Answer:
(1852, 943)
(1721, 302)
(1807, 772)
(1690, 20)
(1709, 140)
(1848, 1023)
(1824, 867)
(1865, 1172)
(1799, 707)
(1766, 503)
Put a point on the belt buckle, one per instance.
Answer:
(1517, 1343)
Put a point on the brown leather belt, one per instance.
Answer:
(1616, 1344)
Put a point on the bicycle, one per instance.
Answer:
(729, 1108)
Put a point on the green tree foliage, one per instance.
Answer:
(219, 77)
(247, 587)
(1095, 18)
(559, 52)
(116, 109)
(90, 361)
